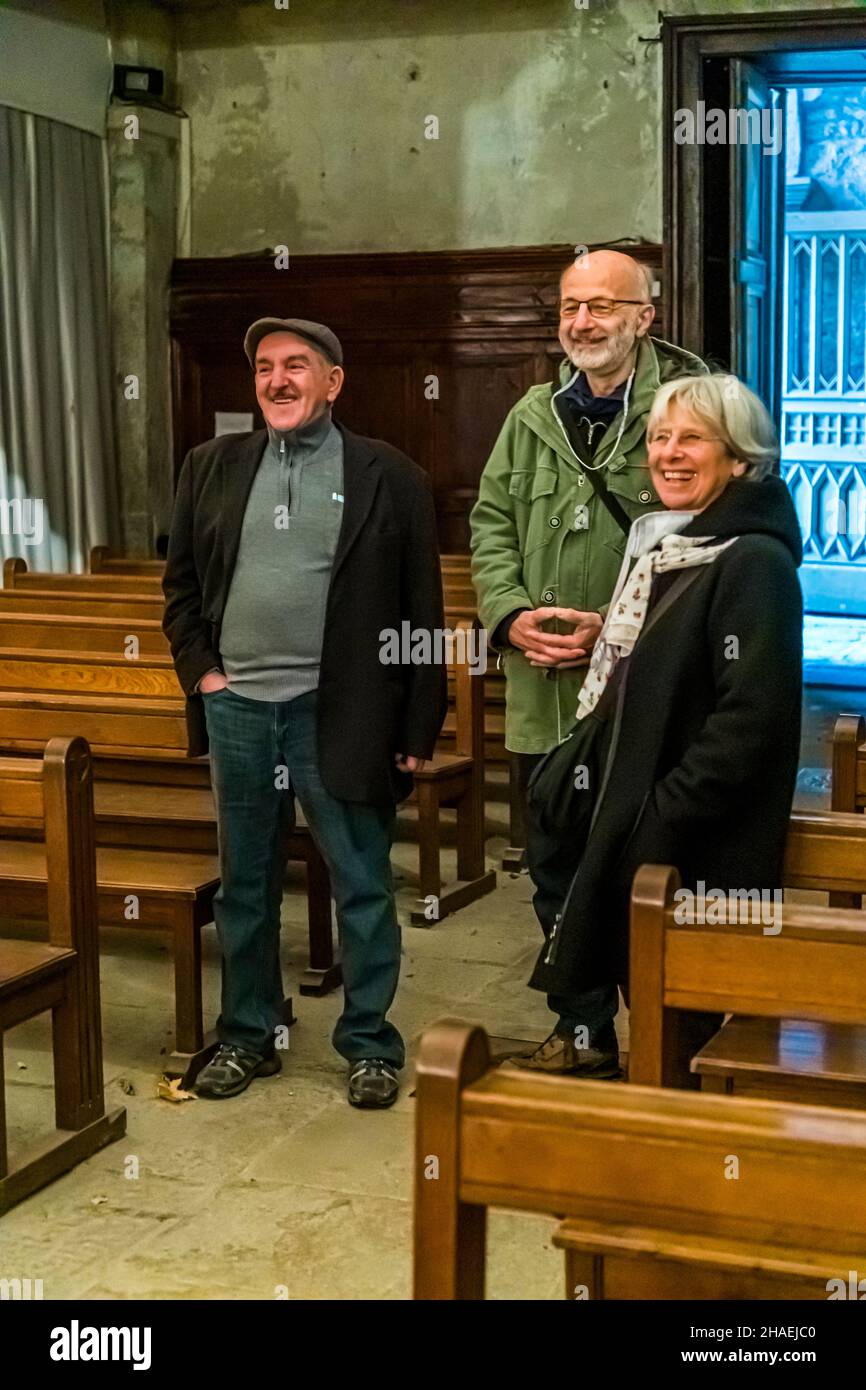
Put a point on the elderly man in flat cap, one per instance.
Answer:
(291, 549)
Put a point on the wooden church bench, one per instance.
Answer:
(16, 575)
(72, 633)
(88, 673)
(123, 727)
(107, 604)
(139, 743)
(165, 892)
(461, 604)
(789, 1058)
(813, 970)
(104, 560)
(54, 795)
(460, 601)
(641, 1176)
(455, 779)
(171, 817)
(786, 1059)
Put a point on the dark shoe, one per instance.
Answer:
(373, 1084)
(231, 1070)
(558, 1056)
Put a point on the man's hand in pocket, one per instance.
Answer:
(214, 680)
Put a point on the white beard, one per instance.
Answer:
(597, 356)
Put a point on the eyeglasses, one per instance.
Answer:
(598, 308)
(688, 439)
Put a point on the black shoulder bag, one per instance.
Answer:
(567, 785)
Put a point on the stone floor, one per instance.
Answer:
(286, 1191)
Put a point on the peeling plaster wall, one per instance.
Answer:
(307, 124)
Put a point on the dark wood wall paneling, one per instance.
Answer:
(483, 322)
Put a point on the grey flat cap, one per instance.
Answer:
(316, 333)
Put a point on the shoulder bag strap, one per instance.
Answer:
(595, 475)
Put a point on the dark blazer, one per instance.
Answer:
(705, 766)
(386, 571)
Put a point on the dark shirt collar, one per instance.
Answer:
(597, 407)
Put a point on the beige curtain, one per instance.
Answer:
(58, 489)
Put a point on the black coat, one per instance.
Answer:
(704, 768)
(386, 571)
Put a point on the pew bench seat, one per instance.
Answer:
(184, 817)
(615, 1260)
(53, 796)
(174, 894)
(786, 1059)
(28, 965)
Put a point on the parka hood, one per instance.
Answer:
(749, 508)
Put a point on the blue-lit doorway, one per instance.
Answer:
(765, 237)
(822, 363)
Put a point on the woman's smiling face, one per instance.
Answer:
(690, 466)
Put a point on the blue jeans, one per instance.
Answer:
(263, 755)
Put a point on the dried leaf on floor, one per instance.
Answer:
(169, 1088)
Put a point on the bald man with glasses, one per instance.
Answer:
(567, 476)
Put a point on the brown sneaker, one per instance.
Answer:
(558, 1056)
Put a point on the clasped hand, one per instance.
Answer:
(559, 650)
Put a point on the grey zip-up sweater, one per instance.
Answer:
(274, 619)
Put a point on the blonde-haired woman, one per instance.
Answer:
(697, 679)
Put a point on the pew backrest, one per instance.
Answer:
(73, 633)
(104, 560)
(16, 575)
(72, 603)
(51, 798)
(696, 956)
(604, 1152)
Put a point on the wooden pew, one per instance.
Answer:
(16, 575)
(169, 893)
(159, 817)
(138, 597)
(820, 1062)
(53, 796)
(142, 741)
(461, 604)
(157, 834)
(132, 712)
(640, 1176)
(133, 607)
(451, 778)
(79, 633)
(812, 971)
(88, 673)
(795, 1059)
(455, 779)
(848, 786)
(104, 560)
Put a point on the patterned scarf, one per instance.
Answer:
(628, 609)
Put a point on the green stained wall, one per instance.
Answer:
(307, 124)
